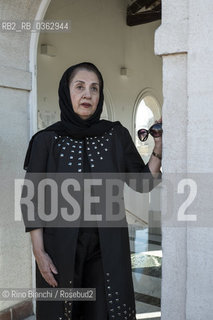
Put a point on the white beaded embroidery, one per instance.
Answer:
(93, 143)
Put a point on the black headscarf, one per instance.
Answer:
(71, 124)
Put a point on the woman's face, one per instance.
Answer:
(84, 93)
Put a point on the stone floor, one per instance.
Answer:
(146, 256)
(139, 317)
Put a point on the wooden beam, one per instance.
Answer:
(149, 3)
(158, 8)
(143, 17)
(136, 6)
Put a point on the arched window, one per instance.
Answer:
(147, 110)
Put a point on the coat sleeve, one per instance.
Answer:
(138, 174)
(35, 171)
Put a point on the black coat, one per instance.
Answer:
(112, 152)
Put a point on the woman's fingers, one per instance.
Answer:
(53, 268)
(49, 278)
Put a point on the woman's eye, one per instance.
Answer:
(95, 89)
(79, 87)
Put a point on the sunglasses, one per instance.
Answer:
(155, 130)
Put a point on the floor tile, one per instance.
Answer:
(142, 308)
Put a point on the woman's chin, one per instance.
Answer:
(84, 116)
(85, 113)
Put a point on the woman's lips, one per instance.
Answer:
(86, 105)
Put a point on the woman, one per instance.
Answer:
(85, 257)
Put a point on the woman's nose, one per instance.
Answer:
(87, 93)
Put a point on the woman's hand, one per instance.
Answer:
(158, 141)
(155, 161)
(46, 267)
(43, 260)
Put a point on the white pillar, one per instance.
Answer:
(185, 41)
(15, 88)
(200, 155)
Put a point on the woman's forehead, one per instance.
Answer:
(84, 76)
